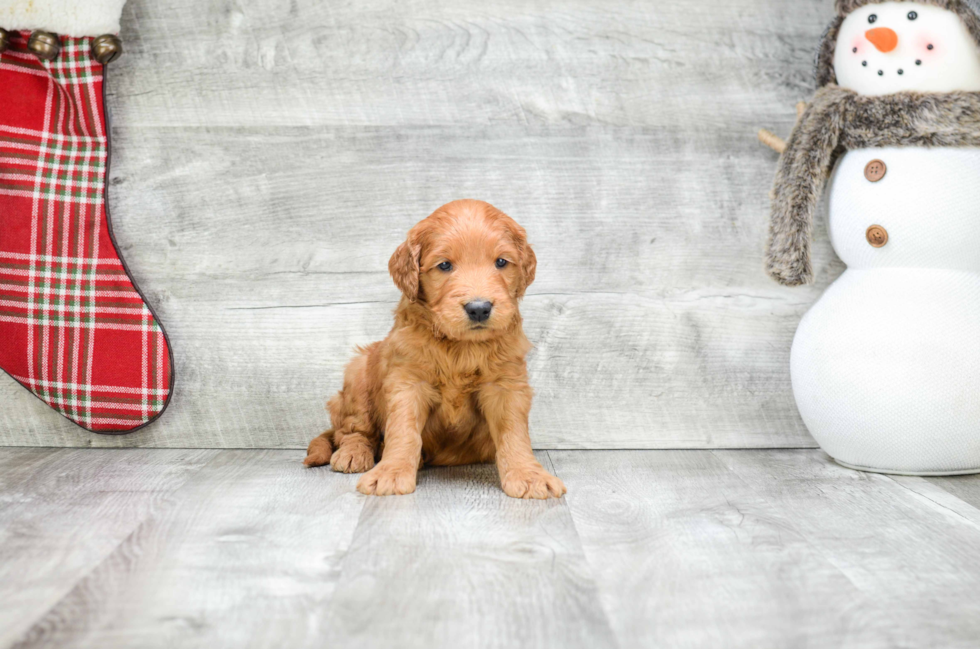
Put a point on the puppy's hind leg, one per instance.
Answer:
(354, 437)
(320, 450)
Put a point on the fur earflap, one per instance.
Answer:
(64, 17)
(837, 120)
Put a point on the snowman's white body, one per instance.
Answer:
(886, 365)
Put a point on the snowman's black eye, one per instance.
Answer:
(913, 15)
(873, 18)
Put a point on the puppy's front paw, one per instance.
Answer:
(319, 452)
(532, 482)
(388, 480)
(352, 458)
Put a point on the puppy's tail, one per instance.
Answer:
(320, 450)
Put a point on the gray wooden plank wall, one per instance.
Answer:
(269, 156)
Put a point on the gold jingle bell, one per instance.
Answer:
(106, 48)
(4, 39)
(45, 45)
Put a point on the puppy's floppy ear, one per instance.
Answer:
(404, 267)
(528, 260)
(528, 267)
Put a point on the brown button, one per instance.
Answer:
(877, 236)
(875, 170)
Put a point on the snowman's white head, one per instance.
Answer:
(889, 47)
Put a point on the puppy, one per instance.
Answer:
(448, 386)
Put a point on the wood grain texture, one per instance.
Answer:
(20, 464)
(966, 488)
(687, 554)
(63, 512)
(914, 559)
(248, 548)
(459, 564)
(771, 549)
(268, 157)
(247, 557)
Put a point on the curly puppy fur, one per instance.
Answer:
(443, 389)
(835, 121)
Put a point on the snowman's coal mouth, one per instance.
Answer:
(900, 71)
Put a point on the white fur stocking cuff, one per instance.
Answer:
(64, 17)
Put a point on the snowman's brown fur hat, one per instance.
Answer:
(967, 10)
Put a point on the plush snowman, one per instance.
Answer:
(886, 366)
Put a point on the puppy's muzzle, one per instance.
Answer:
(478, 310)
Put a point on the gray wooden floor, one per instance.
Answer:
(224, 548)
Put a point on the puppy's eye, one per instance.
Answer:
(913, 15)
(502, 262)
(873, 18)
(445, 266)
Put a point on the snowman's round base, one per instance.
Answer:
(924, 474)
(886, 369)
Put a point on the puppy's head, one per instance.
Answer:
(468, 264)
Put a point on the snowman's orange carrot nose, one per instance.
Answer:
(883, 38)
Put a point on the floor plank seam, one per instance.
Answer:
(918, 495)
(811, 543)
(567, 503)
(167, 502)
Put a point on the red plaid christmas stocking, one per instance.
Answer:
(74, 329)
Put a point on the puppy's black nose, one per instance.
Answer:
(478, 310)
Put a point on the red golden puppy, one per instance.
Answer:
(448, 385)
